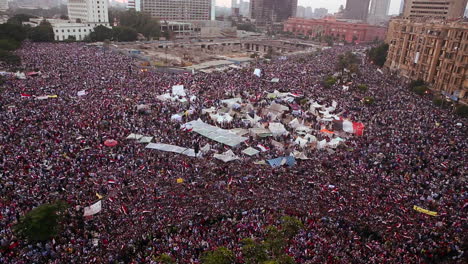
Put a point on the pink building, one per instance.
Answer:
(342, 30)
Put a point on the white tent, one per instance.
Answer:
(145, 139)
(258, 72)
(134, 136)
(226, 156)
(217, 134)
(277, 129)
(178, 90)
(250, 151)
(171, 148)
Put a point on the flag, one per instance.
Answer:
(25, 95)
(424, 211)
(124, 209)
(93, 209)
(263, 148)
(111, 181)
(326, 131)
(99, 196)
(180, 180)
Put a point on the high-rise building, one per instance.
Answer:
(402, 7)
(378, 11)
(179, 10)
(3, 5)
(441, 9)
(320, 12)
(244, 8)
(93, 11)
(300, 11)
(435, 51)
(134, 4)
(356, 9)
(266, 12)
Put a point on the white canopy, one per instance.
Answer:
(171, 148)
(226, 156)
(250, 151)
(215, 133)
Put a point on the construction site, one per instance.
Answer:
(208, 55)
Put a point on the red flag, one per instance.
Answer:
(25, 95)
(358, 128)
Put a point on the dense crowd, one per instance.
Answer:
(411, 153)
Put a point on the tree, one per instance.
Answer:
(42, 33)
(368, 100)
(220, 255)
(415, 83)
(100, 33)
(275, 241)
(9, 44)
(347, 61)
(290, 226)
(42, 222)
(378, 54)
(362, 87)
(13, 31)
(165, 259)
(9, 58)
(19, 19)
(462, 110)
(124, 34)
(141, 22)
(329, 81)
(253, 251)
(422, 89)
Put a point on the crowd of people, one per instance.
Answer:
(356, 202)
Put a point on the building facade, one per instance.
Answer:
(268, 12)
(94, 11)
(340, 30)
(3, 5)
(134, 4)
(435, 51)
(440, 9)
(179, 10)
(356, 9)
(378, 12)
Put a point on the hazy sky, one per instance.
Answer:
(331, 5)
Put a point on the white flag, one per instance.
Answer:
(93, 209)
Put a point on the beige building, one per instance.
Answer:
(442, 9)
(435, 51)
(179, 10)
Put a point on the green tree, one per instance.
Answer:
(415, 83)
(347, 61)
(247, 27)
(253, 251)
(141, 22)
(165, 259)
(462, 110)
(100, 33)
(275, 241)
(18, 19)
(10, 58)
(329, 81)
(42, 222)
(422, 89)
(13, 31)
(220, 255)
(363, 88)
(290, 226)
(368, 100)
(42, 33)
(9, 44)
(124, 34)
(378, 54)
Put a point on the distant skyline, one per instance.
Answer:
(331, 5)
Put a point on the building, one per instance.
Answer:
(441, 9)
(268, 12)
(320, 12)
(134, 4)
(378, 12)
(402, 7)
(356, 9)
(300, 11)
(180, 10)
(340, 30)
(93, 11)
(244, 8)
(3, 5)
(435, 51)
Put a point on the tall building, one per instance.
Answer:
(378, 12)
(267, 12)
(320, 12)
(179, 10)
(402, 7)
(300, 11)
(93, 11)
(441, 9)
(356, 9)
(435, 51)
(134, 4)
(3, 5)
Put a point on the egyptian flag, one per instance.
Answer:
(349, 127)
(263, 148)
(25, 95)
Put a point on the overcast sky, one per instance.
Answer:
(331, 5)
